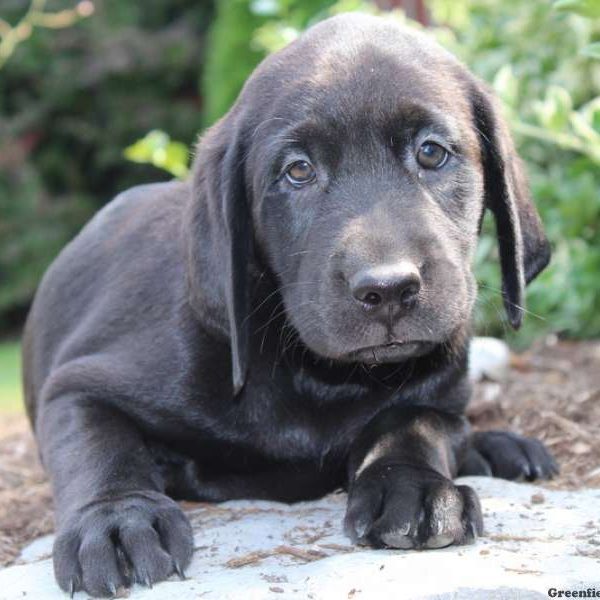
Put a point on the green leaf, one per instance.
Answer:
(584, 8)
(343, 6)
(584, 128)
(273, 36)
(157, 148)
(591, 50)
(555, 110)
(506, 85)
(265, 8)
(591, 110)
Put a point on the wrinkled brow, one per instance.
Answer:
(323, 135)
(310, 140)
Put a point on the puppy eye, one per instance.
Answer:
(300, 173)
(432, 156)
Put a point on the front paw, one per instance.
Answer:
(140, 537)
(509, 456)
(404, 506)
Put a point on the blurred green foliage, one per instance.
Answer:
(36, 15)
(71, 100)
(585, 8)
(11, 393)
(243, 32)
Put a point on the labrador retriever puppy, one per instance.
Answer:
(292, 319)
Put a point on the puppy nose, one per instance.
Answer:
(385, 285)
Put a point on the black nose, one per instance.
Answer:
(379, 287)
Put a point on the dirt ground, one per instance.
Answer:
(552, 392)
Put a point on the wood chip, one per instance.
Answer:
(524, 571)
(247, 559)
(566, 424)
(338, 547)
(309, 555)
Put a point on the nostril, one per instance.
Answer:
(372, 298)
(409, 294)
(377, 287)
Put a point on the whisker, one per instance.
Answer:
(501, 294)
(277, 290)
(405, 380)
(264, 337)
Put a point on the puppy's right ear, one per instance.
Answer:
(219, 238)
(523, 247)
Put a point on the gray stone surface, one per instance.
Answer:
(535, 539)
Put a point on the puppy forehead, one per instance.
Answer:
(379, 76)
(395, 124)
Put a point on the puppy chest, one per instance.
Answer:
(291, 431)
(285, 434)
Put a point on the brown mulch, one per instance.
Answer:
(25, 498)
(552, 393)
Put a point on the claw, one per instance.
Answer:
(180, 572)
(72, 588)
(147, 582)
(112, 589)
(473, 533)
(361, 528)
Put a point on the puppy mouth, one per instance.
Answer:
(391, 352)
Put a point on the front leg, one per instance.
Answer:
(400, 492)
(115, 526)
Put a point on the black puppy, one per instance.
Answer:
(292, 319)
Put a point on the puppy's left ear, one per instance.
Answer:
(523, 247)
(220, 241)
(237, 238)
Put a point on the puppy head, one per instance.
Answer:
(359, 161)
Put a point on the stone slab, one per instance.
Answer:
(535, 539)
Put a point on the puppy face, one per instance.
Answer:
(368, 196)
(359, 161)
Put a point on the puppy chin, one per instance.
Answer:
(396, 351)
(389, 353)
(373, 348)
(385, 353)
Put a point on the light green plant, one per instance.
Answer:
(157, 148)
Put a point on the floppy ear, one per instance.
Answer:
(219, 241)
(523, 247)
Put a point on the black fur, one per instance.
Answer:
(201, 340)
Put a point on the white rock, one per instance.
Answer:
(488, 357)
(528, 548)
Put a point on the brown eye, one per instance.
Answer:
(300, 172)
(432, 156)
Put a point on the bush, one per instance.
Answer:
(243, 33)
(70, 101)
